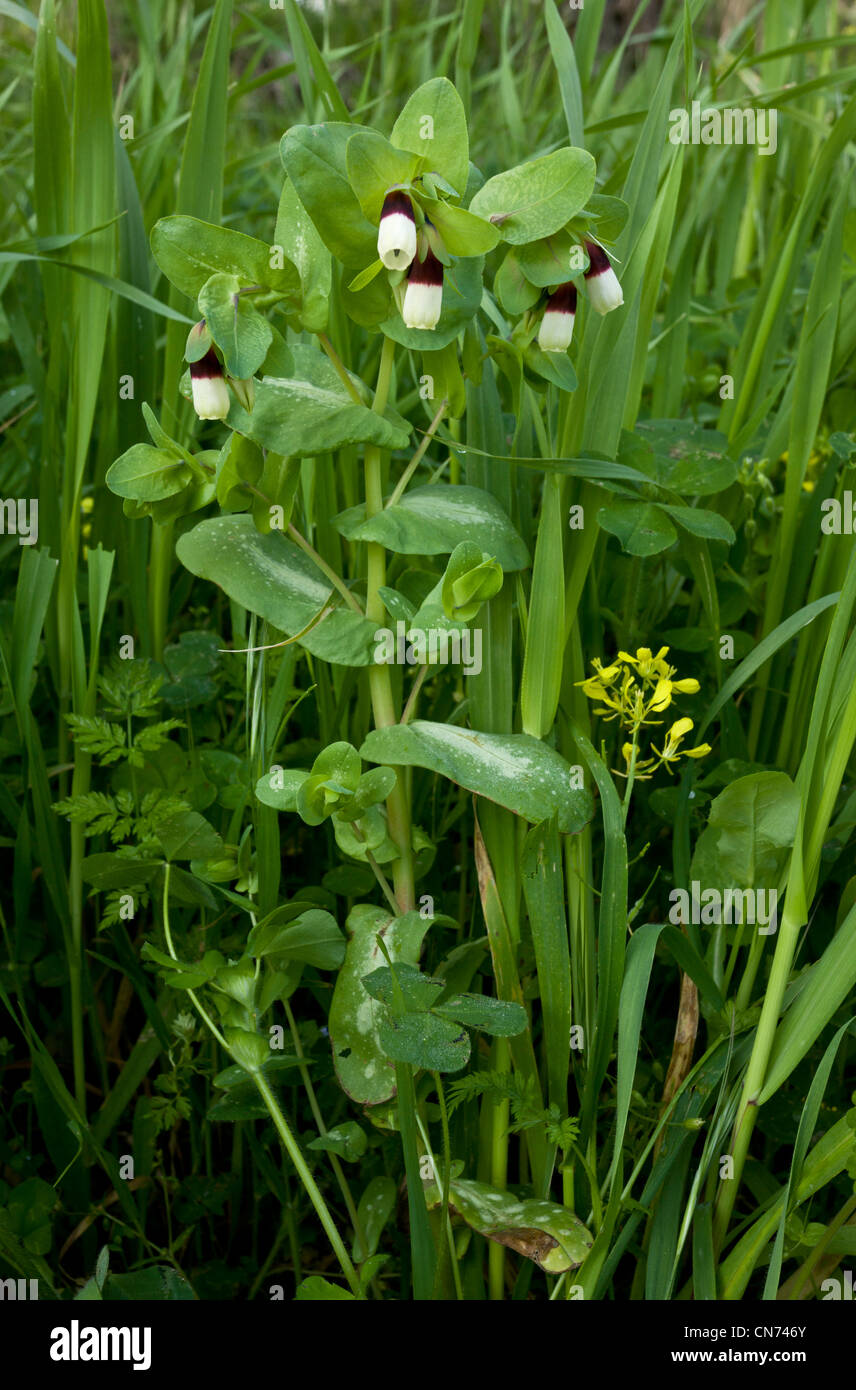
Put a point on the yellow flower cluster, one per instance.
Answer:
(632, 689)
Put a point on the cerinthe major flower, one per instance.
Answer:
(557, 325)
(604, 291)
(396, 238)
(208, 385)
(423, 298)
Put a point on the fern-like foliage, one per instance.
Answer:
(559, 1129)
(105, 741)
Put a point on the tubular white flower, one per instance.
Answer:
(602, 284)
(423, 297)
(210, 392)
(557, 325)
(396, 238)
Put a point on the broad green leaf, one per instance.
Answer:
(550, 1235)
(313, 938)
(347, 1141)
(548, 261)
(187, 835)
(147, 474)
(555, 367)
(502, 1018)
(701, 522)
(363, 1069)
(515, 292)
(679, 455)
(434, 520)
(642, 528)
(297, 235)
(403, 988)
(463, 233)
(315, 159)
(515, 770)
(608, 215)
(189, 252)
(749, 834)
(374, 167)
(433, 124)
(271, 576)
(310, 412)
(536, 199)
(374, 1209)
(239, 330)
(250, 1050)
(425, 1040)
(279, 788)
(240, 462)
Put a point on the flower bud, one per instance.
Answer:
(245, 390)
(472, 577)
(396, 238)
(604, 291)
(208, 385)
(423, 298)
(557, 325)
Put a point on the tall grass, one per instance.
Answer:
(676, 1089)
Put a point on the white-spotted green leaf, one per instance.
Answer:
(514, 770)
(270, 576)
(310, 412)
(434, 520)
(364, 1070)
(543, 1231)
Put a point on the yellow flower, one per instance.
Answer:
(662, 697)
(672, 749)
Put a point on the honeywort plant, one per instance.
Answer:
(384, 444)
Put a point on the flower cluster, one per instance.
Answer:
(401, 247)
(633, 690)
(604, 292)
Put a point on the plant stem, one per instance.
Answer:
(380, 682)
(313, 1192)
(498, 1173)
(290, 1144)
